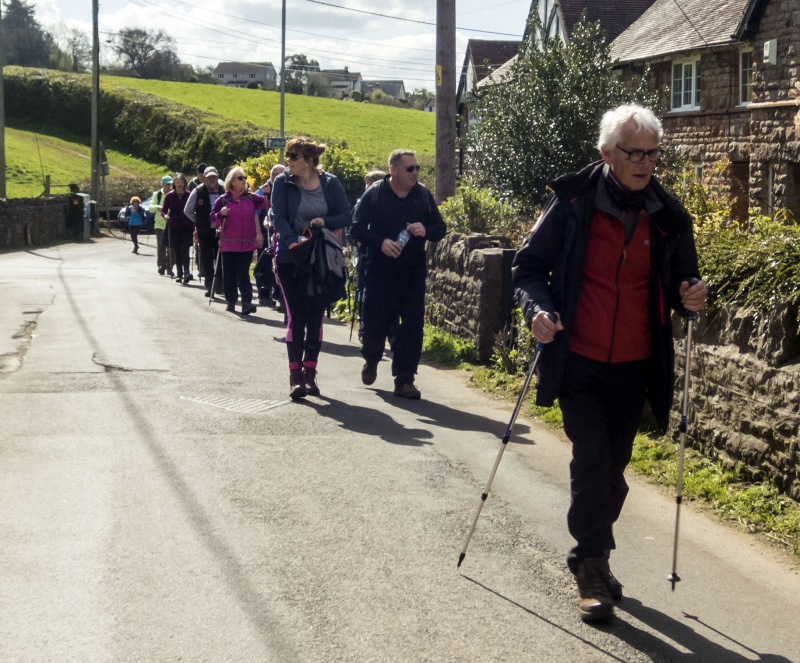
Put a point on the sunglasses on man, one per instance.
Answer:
(411, 169)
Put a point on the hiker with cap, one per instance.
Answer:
(198, 209)
(164, 257)
(198, 179)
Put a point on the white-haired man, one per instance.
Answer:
(610, 255)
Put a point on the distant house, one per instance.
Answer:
(240, 74)
(343, 81)
(482, 56)
(732, 87)
(395, 89)
(430, 105)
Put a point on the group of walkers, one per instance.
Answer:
(301, 202)
(611, 254)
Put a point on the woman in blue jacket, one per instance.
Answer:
(136, 220)
(304, 197)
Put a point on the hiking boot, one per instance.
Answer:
(407, 390)
(369, 373)
(310, 380)
(614, 585)
(161, 271)
(594, 599)
(188, 278)
(266, 301)
(297, 385)
(249, 308)
(231, 307)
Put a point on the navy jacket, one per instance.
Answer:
(548, 271)
(286, 199)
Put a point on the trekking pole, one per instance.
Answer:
(216, 263)
(504, 442)
(674, 577)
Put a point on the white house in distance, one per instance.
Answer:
(395, 89)
(343, 81)
(241, 74)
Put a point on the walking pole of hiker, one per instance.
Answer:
(504, 443)
(216, 263)
(674, 577)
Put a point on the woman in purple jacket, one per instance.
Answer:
(180, 226)
(240, 235)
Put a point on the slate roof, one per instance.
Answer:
(614, 15)
(341, 74)
(664, 28)
(394, 88)
(495, 53)
(242, 67)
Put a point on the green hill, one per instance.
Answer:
(29, 155)
(371, 131)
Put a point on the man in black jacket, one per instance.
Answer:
(392, 221)
(198, 209)
(610, 255)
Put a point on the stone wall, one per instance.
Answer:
(470, 293)
(745, 392)
(33, 221)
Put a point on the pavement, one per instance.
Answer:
(161, 499)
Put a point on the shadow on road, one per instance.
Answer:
(369, 421)
(436, 414)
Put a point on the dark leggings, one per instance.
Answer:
(236, 267)
(304, 315)
(180, 243)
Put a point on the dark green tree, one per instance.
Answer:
(298, 67)
(148, 54)
(541, 119)
(25, 43)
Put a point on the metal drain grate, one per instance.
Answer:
(243, 405)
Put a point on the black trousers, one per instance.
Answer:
(602, 407)
(209, 247)
(304, 314)
(236, 265)
(384, 299)
(181, 243)
(134, 232)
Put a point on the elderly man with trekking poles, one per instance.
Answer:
(610, 256)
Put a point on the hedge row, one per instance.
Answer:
(145, 126)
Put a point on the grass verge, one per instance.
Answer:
(757, 508)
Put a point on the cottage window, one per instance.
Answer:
(220, 75)
(251, 75)
(686, 85)
(746, 76)
(234, 75)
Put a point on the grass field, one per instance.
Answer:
(64, 160)
(371, 131)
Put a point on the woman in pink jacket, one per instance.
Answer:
(240, 235)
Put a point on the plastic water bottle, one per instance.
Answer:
(403, 237)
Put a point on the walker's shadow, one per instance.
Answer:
(342, 351)
(701, 650)
(369, 421)
(700, 647)
(446, 417)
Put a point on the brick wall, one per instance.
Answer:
(33, 221)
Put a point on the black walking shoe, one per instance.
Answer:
(310, 380)
(369, 373)
(407, 390)
(266, 301)
(207, 293)
(231, 307)
(594, 600)
(297, 385)
(249, 308)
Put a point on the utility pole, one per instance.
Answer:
(445, 99)
(2, 114)
(283, 74)
(94, 192)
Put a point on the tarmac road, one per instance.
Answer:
(161, 500)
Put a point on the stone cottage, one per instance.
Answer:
(729, 75)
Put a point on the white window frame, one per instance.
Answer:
(742, 86)
(251, 75)
(220, 75)
(690, 71)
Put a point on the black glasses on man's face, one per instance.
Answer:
(240, 177)
(636, 156)
(292, 156)
(411, 169)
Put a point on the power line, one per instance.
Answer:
(407, 20)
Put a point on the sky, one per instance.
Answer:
(208, 32)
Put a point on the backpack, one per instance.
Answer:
(321, 261)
